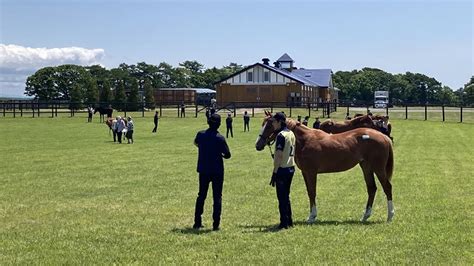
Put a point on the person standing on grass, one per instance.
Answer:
(228, 123)
(130, 128)
(183, 109)
(305, 121)
(119, 126)
(246, 121)
(155, 121)
(283, 169)
(212, 147)
(114, 128)
(90, 110)
(317, 123)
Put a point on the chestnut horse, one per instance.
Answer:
(329, 126)
(319, 152)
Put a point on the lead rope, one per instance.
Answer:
(270, 144)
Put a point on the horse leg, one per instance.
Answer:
(310, 181)
(371, 190)
(387, 188)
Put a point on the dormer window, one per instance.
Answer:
(285, 65)
(266, 76)
(307, 74)
(249, 76)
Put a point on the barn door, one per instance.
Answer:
(265, 94)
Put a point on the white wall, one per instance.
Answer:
(258, 77)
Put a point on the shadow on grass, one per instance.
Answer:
(191, 231)
(274, 227)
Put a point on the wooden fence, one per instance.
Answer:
(324, 109)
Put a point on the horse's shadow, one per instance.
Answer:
(191, 231)
(274, 227)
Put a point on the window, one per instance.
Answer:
(249, 76)
(251, 90)
(266, 76)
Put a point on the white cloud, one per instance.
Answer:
(20, 57)
(17, 62)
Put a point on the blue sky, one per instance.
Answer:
(430, 37)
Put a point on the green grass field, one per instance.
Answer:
(69, 195)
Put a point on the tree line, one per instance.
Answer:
(408, 88)
(125, 84)
(129, 83)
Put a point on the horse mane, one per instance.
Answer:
(292, 124)
(360, 119)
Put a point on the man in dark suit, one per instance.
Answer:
(212, 148)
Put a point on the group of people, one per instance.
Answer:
(229, 121)
(213, 148)
(120, 126)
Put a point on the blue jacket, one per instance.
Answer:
(212, 148)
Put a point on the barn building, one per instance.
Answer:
(200, 96)
(281, 83)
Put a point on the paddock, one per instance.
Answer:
(70, 195)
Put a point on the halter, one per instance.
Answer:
(269, 144)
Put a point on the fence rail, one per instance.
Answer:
(320, 109)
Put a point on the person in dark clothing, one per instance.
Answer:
(155, 121)
(212, 148)
(90, 110)
(317, 123)
(183, 110)
(228, 123)
(283, 169)
(246, 121)
(305, 121)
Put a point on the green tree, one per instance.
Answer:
(468, 93)
(105, 93)
(41, 85)
(194, 74)
(446, 96)
(91, 91)
(149, 94)
(342, 81)
(133, 99)
(120, 97)
(66, 76)
(76, 97)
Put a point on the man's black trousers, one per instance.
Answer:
(283, 184)
(217, 183)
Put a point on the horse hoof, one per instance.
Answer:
(311, 220)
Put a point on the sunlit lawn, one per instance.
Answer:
(69, 195)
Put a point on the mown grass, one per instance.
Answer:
(69, 195)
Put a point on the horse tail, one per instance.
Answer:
(389, 166)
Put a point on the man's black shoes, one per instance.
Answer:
(197, 226)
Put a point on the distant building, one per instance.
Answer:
(201, 96)
(282, 82)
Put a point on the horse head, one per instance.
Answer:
(96, 109)
(267, 133)
(362, 121)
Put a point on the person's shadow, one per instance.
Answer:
(191, 231)
(274, 227)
